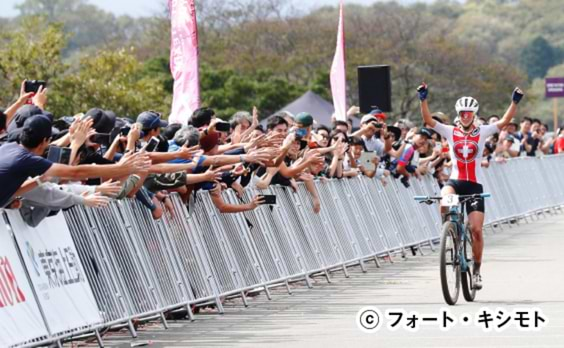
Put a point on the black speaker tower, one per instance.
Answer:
(374, 88)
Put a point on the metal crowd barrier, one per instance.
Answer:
(139, 268)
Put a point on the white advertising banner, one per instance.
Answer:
(20, 319)
(56, 273)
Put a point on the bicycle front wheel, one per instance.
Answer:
(449, 263)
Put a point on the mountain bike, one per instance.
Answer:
(456, 258)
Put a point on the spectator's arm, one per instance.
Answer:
(227, 147)
(27, 186)
(526, 146)
(132, 137)
(163, 168)
(226, 208)
(545, 146)
(336, 167)
(63, 141)
(11, 110)
(363, 129)
(249, 130)
(436, 161)
(255, 156)
(161, 157)
(310, 186)
(296, 169)
(266, 179)
(128, 165)
(112, 150)
(397, 153)
(51, 196)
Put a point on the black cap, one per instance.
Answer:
(38, 125)
(25, 112)
(426, 132)
(103, 121)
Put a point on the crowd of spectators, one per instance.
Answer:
(48, 163)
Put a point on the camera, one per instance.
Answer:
(58, 154)
(33, 85)
(101, 138)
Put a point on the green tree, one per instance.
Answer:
(32, 51)
(228, 91)
(538, 57)
(112, 80)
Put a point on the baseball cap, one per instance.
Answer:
(368, 118)
(38, 125)
(426, 132)
(378, 114)
(304, 118)
(151, 120)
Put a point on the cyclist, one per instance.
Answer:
(466, 142)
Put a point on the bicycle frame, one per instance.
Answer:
(456, 217)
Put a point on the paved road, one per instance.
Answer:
(522, 269)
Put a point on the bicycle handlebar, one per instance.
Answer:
(429, 198)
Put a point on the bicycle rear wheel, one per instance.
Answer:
(449, 263)
(468, 289)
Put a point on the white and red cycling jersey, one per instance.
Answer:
(466, 150)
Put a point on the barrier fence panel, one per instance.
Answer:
(321, 231)
(110, 295)
(223, 264)
(56, 273)
(22, 322)
(154, 254)
(95, 268)
(192, 258)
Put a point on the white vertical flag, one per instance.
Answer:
(338, 72)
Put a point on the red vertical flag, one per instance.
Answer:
(184, 60)
(338, 73)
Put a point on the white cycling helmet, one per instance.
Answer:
(467, 104)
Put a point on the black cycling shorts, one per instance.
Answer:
(462, 187)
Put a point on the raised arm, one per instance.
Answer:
(510, 113)
(423, 92)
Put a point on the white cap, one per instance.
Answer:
(367, 118)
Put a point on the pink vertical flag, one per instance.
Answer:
(184, 60)
(338, 74)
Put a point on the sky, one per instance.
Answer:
(138, 8)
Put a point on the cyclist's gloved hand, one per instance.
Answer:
(517, 95)
(405, 181)
(423, 90)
